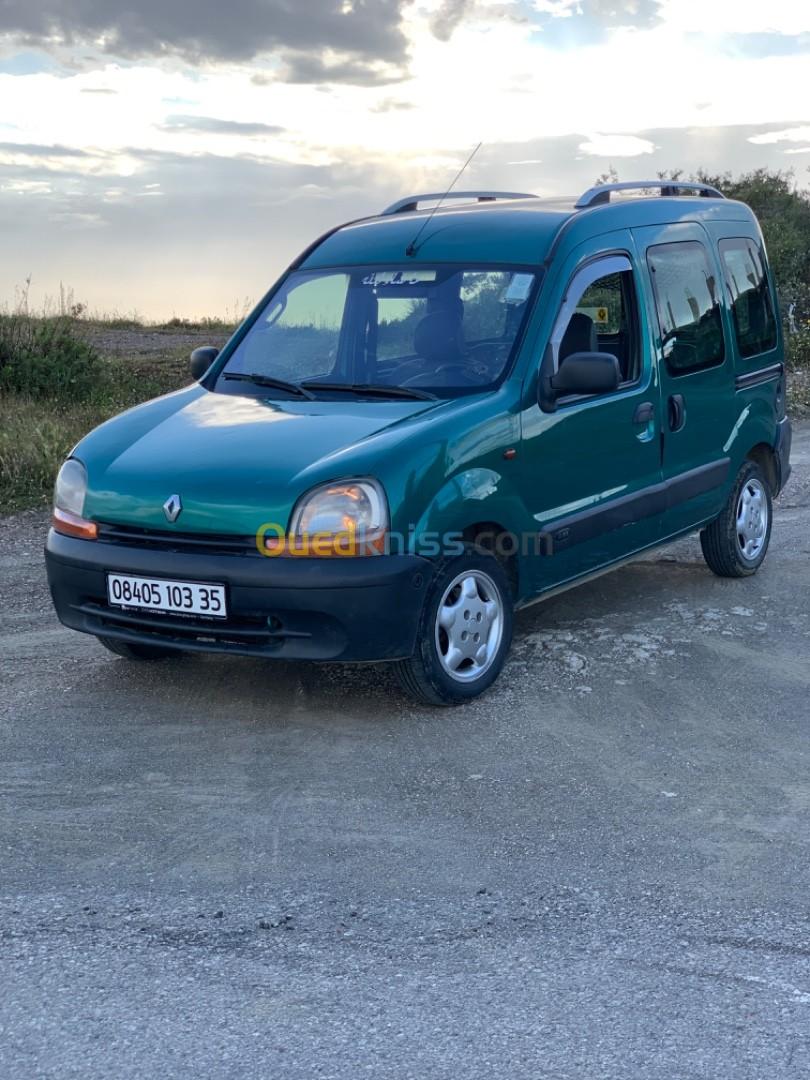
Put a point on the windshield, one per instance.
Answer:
(421, 332)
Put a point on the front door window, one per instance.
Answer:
(600, 314)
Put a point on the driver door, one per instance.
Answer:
(592, 464)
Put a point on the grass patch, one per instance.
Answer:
(61, 375)
(35, 438)
(38, 433)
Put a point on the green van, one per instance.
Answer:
(435, 417)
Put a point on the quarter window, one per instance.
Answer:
(749, 296)
(688, 309)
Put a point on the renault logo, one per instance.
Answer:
(172, 507)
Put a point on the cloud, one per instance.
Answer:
(97, 90)
(212, 125)
(447, 17)
(616, 146)
(39, 150)
(638, 13)
(212, 30)
(308, 67)
(393, 105)
(261, 212)
(796, 134)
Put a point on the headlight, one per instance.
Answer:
(71, 487)
(349, 517)
(68, 502)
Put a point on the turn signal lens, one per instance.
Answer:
(72, 525)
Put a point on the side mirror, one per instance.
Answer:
(586, 373)
(202, 359)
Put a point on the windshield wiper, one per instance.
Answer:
(372, 388)
(268, 380)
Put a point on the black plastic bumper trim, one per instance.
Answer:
(628, 509)
(784, 439)
(134, 617)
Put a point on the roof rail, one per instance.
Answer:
(599, 195)
(404, 206)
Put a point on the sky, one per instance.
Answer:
(172, 160)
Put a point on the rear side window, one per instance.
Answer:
(688, 309)
(749, 296)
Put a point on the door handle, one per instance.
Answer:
(644, 413)
(677, 412)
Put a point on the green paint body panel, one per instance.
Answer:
(241, 461)
(509, 234)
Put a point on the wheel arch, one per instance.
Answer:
(763, 455)
(754, 438)
(480, 507)
(493, 538)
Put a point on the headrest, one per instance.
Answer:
(580, 336)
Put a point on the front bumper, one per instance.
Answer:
(290, 608)
(784, 435)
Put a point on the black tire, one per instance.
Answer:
(723, 542)
(133, 651)
(425, 675)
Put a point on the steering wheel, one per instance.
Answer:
(407, 369)
(465, 370)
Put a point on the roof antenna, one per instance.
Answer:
(412, 248)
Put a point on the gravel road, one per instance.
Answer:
(223, 868)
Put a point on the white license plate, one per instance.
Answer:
(172, 597)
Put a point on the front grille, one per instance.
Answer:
(189, 543)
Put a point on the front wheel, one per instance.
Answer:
(736, 542)
(464, 634)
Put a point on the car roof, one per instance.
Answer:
(505, 228)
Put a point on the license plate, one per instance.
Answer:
(169, 597)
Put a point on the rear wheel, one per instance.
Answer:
(464, 633)
(134, 651)
(736, 542)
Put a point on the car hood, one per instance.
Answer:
(237, 462)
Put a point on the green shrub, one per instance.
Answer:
(47, 358)
(797, 349)
(794, 299)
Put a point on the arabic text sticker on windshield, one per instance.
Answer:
(399, 277)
